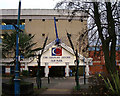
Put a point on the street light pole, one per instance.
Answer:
(17, 78)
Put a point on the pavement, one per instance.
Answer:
(62, 86)
(57, 86)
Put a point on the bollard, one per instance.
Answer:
(84, 78)
(40, 82)
(48, 79)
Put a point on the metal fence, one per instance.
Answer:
(10, 27)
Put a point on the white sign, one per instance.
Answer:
(7, 70)
(56, 58)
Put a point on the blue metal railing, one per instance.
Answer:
(10, 27)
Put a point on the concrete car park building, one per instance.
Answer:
(41, 23)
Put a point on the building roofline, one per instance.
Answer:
(63, 45)
(41, 12)
(27, 13)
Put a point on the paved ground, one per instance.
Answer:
(59, 86)
(62, 86)
(56, 86)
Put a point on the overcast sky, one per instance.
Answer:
(26, 4)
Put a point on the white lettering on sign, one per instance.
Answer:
(57, 59)
(66, 57)
(52, 57)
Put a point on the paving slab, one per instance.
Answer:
(62, 86)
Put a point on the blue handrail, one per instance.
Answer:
(11, 27)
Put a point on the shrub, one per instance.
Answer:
(25, 73)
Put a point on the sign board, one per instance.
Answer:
(7, 70)
(56, 51)
(57, 56)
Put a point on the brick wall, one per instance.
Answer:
(99, 62)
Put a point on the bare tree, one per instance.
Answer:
(103, 26)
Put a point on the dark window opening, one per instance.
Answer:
(56, 20)
(12, 21)
(29, 34)
(3, 36)
(43, 19)
(70, 20)
(30, 19)
(43, 34)
(81, 20)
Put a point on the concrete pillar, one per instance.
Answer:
(7, 70)
(87, 68)
(46, 70)
(67, 70)
(26, 66)
(21, 67)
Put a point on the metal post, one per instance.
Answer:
(48, 79)
(17, 79)
(84, 75)
(55, 28)
(57, 39)
(77, 71)
(84, 72)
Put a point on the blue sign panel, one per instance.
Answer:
(57, 51)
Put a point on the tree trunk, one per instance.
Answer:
(108, 50)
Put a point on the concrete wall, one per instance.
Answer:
(39, 27)
(34, 24)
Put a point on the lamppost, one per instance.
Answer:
(17, 78)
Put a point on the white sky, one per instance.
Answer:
(28, 4)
